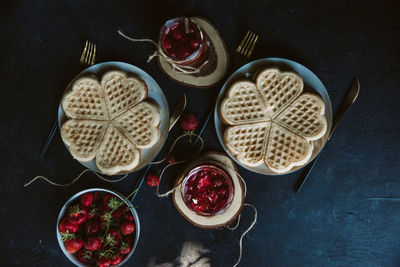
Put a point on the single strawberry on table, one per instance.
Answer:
(152, 179)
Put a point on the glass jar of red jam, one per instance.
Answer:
(207, 190)
(183, 42)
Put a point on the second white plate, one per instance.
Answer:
(311, 82)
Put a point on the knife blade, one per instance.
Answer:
(348, 100)
(176, 114)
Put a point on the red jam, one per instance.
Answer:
(181, 40)
(207, 190)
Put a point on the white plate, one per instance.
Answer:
(311, 83)
(154, 92)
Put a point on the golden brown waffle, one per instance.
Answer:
(109, 121)
(83, 137)
(243, 104)
(116, 153)
(273, 122)
(278, 89)
(140, 124)
(122, 92)
(85, 100)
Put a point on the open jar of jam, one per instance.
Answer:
(207, 190)
(183, 42)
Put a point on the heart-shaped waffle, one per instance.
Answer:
(85, 100)
(122, 92)
(109, 121)
(281, 137)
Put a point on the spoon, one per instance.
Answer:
(348, 100)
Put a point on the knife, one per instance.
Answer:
(349, 99)
(176, 114)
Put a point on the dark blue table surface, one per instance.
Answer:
(330, 223)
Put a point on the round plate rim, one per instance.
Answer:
(272, 61)
(126, 67)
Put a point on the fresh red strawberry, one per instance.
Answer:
(72, 243)
(189, 123)
(93, 243)
(92, 227)
(105, 216)
(129, 216)
(111, 202)
(113, 237)
(117, 259)
(127, 228)
(76, 215)
(125, 248)
(87, 199)
(119, 213)
(65, 225)
(103, 262)
(152, 179)
(84, 255)
(92, 212)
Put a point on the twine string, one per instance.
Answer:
(158, 53)
(176, 163)
(245, 232)
(76, 179)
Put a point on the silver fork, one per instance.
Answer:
(88, 57)
(247, 44)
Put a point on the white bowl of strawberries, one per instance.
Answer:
(98, 227)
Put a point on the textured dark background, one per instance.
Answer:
(330, 223)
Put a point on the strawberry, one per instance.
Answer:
(84, 255)
(76, 215)
(152, 179)
(117, 259)
(111, 202)
(129, 239)
(92, 212)
(66, 226)
(189, 123)
(127, 228)
(72, 243)
(113, 237)
(129, 217)
(93, 243)
(119, 213)
(103, 262)
(106, 216)
(125, 248)
(87, 199)
(92, 227)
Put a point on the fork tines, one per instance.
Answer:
(89, 53)
(247, 44)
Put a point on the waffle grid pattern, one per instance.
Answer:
(129, 125)
(284, 141)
